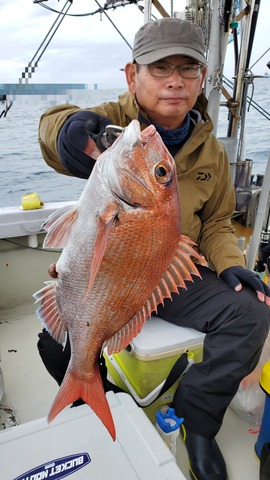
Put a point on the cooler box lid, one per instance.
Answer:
(159, 336)
(77, 445)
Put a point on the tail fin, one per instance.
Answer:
(91, 393)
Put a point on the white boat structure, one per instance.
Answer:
(27, 390)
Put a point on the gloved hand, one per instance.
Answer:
(238, 276)
(107, 137)
(77, 142)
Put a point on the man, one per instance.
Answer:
(230, 304)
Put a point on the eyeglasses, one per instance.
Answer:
(163, 70)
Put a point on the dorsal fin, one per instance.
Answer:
(180, 270)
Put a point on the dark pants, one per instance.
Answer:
(54, 357)
(56, 360)
(236, 325)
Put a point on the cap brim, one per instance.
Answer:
(169, 51)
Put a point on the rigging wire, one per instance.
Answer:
(260, 58)
(30, 68)
(117, 29)
(101, 9)
(252, 102)
(248, 77)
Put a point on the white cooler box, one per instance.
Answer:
(77, 446)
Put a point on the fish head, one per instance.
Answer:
(138, 168)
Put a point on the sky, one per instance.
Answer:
(87, 49)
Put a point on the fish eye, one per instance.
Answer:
(163, 173)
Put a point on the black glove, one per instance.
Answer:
(73, 137)
(235, 276)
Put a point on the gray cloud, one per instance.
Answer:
(84, 49)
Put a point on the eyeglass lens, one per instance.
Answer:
(166, 69)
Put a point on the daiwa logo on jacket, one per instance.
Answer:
(57, 469)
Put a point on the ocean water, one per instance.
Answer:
(23, 170)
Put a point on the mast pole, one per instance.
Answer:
(216, 57)
(243, 56)
(147, 10)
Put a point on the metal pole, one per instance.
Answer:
(216, 56)
(147, 10)
(242, 67)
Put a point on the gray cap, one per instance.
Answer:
(168, 36)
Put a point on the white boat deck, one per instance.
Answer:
(29, 392)
(29, 389)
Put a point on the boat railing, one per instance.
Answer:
(17, 222)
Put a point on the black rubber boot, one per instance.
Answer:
(205, 458)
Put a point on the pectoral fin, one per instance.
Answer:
(58, 226)
(104, 226)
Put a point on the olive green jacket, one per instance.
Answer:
(207, 195)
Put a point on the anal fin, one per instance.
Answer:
(48, 313)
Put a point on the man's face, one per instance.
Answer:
(165, 100)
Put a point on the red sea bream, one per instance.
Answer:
(123, 253)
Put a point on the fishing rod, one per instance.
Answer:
(264, 248)
(260, 240)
